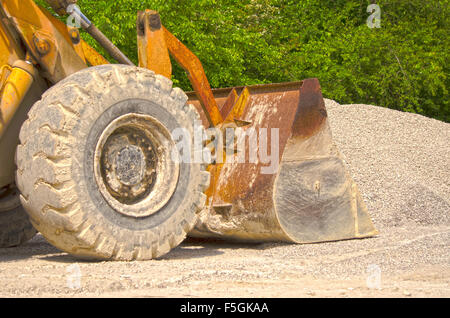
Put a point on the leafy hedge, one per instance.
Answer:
(403, 65)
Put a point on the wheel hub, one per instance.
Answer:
(130, 165)
(133, 167)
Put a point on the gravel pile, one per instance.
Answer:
(400, 161)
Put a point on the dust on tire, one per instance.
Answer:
(56, 177)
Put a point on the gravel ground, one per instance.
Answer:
(401, 163)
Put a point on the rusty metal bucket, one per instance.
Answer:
(309, 198)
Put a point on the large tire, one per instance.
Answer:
(15, 226)
(64, 173)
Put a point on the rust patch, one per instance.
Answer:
(241, 197)
(311, 113)
(229, 103)
(196, 74)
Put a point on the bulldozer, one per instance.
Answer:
(111, 162)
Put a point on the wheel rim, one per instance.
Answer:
(133, 166)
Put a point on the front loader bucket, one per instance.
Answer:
(309, 197)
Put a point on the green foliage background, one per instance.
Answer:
(403, 65)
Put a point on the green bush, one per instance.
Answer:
(401, 65)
